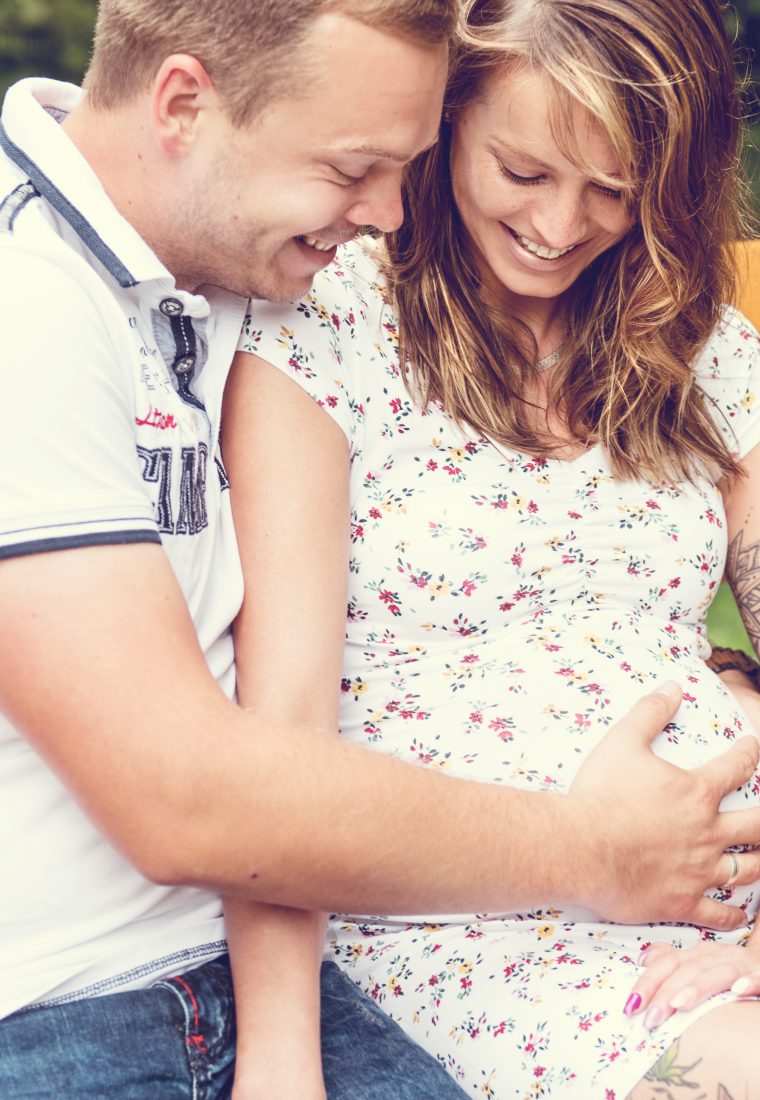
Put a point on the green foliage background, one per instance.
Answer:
(52, 38)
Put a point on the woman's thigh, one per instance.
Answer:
(366, 1056)
(717, 1058)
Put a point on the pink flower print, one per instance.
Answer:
(476, 718)
(503, 727)
(431, 464)
(375, 513)
(467, 587)
(395, 405)
(331, 401)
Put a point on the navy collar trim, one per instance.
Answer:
(66, 209)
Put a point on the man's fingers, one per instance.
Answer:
(710, 913)
(651, 714)
(740, 828)
(732, 768)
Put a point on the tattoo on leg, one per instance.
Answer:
(743, 570)
(667, 1073)
(669, 1079)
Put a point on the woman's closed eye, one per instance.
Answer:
(532, 181)
(522, 181)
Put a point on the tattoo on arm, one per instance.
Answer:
(743, 570)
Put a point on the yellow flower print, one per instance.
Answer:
(286, 333)
(545, 930)
(356, 950)
(457, 453)
(358, 687)
(438, 588)
(748, 401)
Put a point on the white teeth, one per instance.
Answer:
(541, 250)
(312, 242)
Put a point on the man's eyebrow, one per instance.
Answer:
(378, 153)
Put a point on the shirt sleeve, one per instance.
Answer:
(728, 371)
(322, 341)
(69, 474)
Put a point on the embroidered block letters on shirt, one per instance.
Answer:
(159, 468)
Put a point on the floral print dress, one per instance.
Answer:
(504, 611)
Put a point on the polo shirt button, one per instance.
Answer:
(171, 307)
(185, 364)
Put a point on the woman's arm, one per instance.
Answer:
(288, 468)
(743, 562)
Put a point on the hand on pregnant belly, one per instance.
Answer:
(655, 839)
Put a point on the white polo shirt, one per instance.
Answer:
(112, 381)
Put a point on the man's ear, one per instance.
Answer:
(182, 90)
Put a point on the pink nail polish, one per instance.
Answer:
(632, 1005)
(653, 1017)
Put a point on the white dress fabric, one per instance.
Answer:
(505, 610)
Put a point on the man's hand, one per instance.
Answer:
(654, 832)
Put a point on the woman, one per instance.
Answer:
(545, 421)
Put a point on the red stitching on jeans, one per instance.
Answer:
(198, 1040)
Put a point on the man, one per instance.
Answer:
(221, 151)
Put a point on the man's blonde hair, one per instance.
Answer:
(249, 49)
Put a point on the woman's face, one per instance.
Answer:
(536, 218)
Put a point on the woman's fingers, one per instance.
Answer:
(674, 980)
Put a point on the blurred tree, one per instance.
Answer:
(45, 38)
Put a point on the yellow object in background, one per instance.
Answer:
(749, 269)
(724, 624)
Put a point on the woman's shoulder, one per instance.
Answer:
(732, 350)
(728, 373)
(345, 296)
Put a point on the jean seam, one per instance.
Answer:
(194, 1041)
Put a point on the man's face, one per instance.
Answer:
(269, 202)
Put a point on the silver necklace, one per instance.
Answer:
(550, 360)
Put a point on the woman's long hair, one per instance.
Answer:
(658, 77)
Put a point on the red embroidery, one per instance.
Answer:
(156, 419)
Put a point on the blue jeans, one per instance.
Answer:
(176, 1041)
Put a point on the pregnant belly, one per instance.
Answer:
(526, 708)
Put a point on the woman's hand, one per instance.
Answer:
(675, 980)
